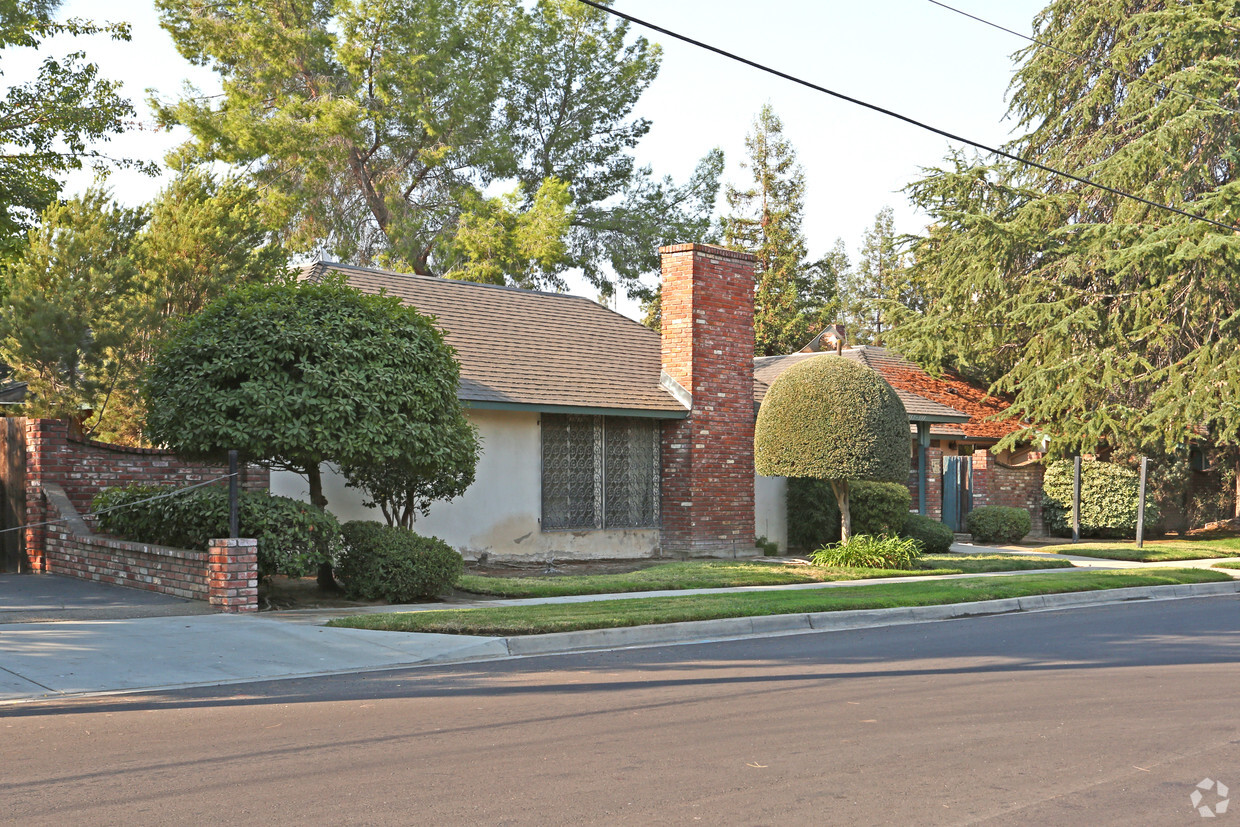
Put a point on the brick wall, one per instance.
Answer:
(84, 467)
(994, 484)
(58, 460)
(226, 575)
(707, 344)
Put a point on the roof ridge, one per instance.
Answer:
(443, 280)
(357, 268)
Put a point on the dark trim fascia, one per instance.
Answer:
(484, 405)
(939, 418)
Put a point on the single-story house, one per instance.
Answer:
(604, 438)
(954, 428)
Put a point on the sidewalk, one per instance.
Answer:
(46, 660)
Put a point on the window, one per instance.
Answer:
(599, 472)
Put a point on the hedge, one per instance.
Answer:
(1109, 494)
(998, 524)
(877, 508)
(935, 537)
(293, 536)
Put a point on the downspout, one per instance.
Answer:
(923, 462)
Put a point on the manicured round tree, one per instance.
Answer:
(293, 375)
(832, 419)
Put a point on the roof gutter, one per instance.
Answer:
(536, 407)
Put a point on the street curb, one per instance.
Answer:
(701, 631)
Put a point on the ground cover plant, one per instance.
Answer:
(719, 574)
(869, 551)
(605, 614)
(1154, 551)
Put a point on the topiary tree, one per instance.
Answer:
(835, 420)
(293, 375)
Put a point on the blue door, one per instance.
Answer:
(957, 491)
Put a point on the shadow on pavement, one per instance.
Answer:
(1183, 632)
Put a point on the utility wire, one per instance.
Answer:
(1103, 61)
(920, 124)
(94, 514)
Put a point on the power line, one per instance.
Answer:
(890, 113)
(91, 515)
(1137, 78)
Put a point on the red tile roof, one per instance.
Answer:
(950, 389)
(924, 396)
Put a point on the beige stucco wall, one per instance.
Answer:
(770, 510)
(500, 513)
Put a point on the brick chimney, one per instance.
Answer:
(708, 473)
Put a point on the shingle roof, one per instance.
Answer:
(531, 349)
(768, 368)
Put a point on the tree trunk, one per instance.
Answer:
(1236, 506)
(326, 579)
(840, 487)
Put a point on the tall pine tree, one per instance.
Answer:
(880, 287)
(792, 295)
(1112, 322)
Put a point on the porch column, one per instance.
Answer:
(923, 464)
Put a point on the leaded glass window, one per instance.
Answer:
(599, 472)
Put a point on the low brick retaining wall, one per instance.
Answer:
(226, 575)
(83, 467)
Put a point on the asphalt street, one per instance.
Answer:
(1101, 715)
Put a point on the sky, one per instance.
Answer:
(910, 56)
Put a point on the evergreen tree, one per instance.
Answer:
(880, 286)
(99, 288)
(821, 291)
(1111, 322)
(72, 305)
(765, 220)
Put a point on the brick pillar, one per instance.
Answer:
(232, 575)
(47, 460)
(708, 473)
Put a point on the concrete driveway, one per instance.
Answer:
(39, 598)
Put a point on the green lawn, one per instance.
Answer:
(1229, 564)
(718, 574)
(531, 620)
(1154, 551)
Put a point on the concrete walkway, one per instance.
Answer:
(124, 640)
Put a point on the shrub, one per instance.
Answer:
(998, 524)
(814, 517)
(770, 548)
(878, 508)
(869, 552)
(1109, 495)
(934, 536)
(831, 418)
(294, 537)
(382, 562)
